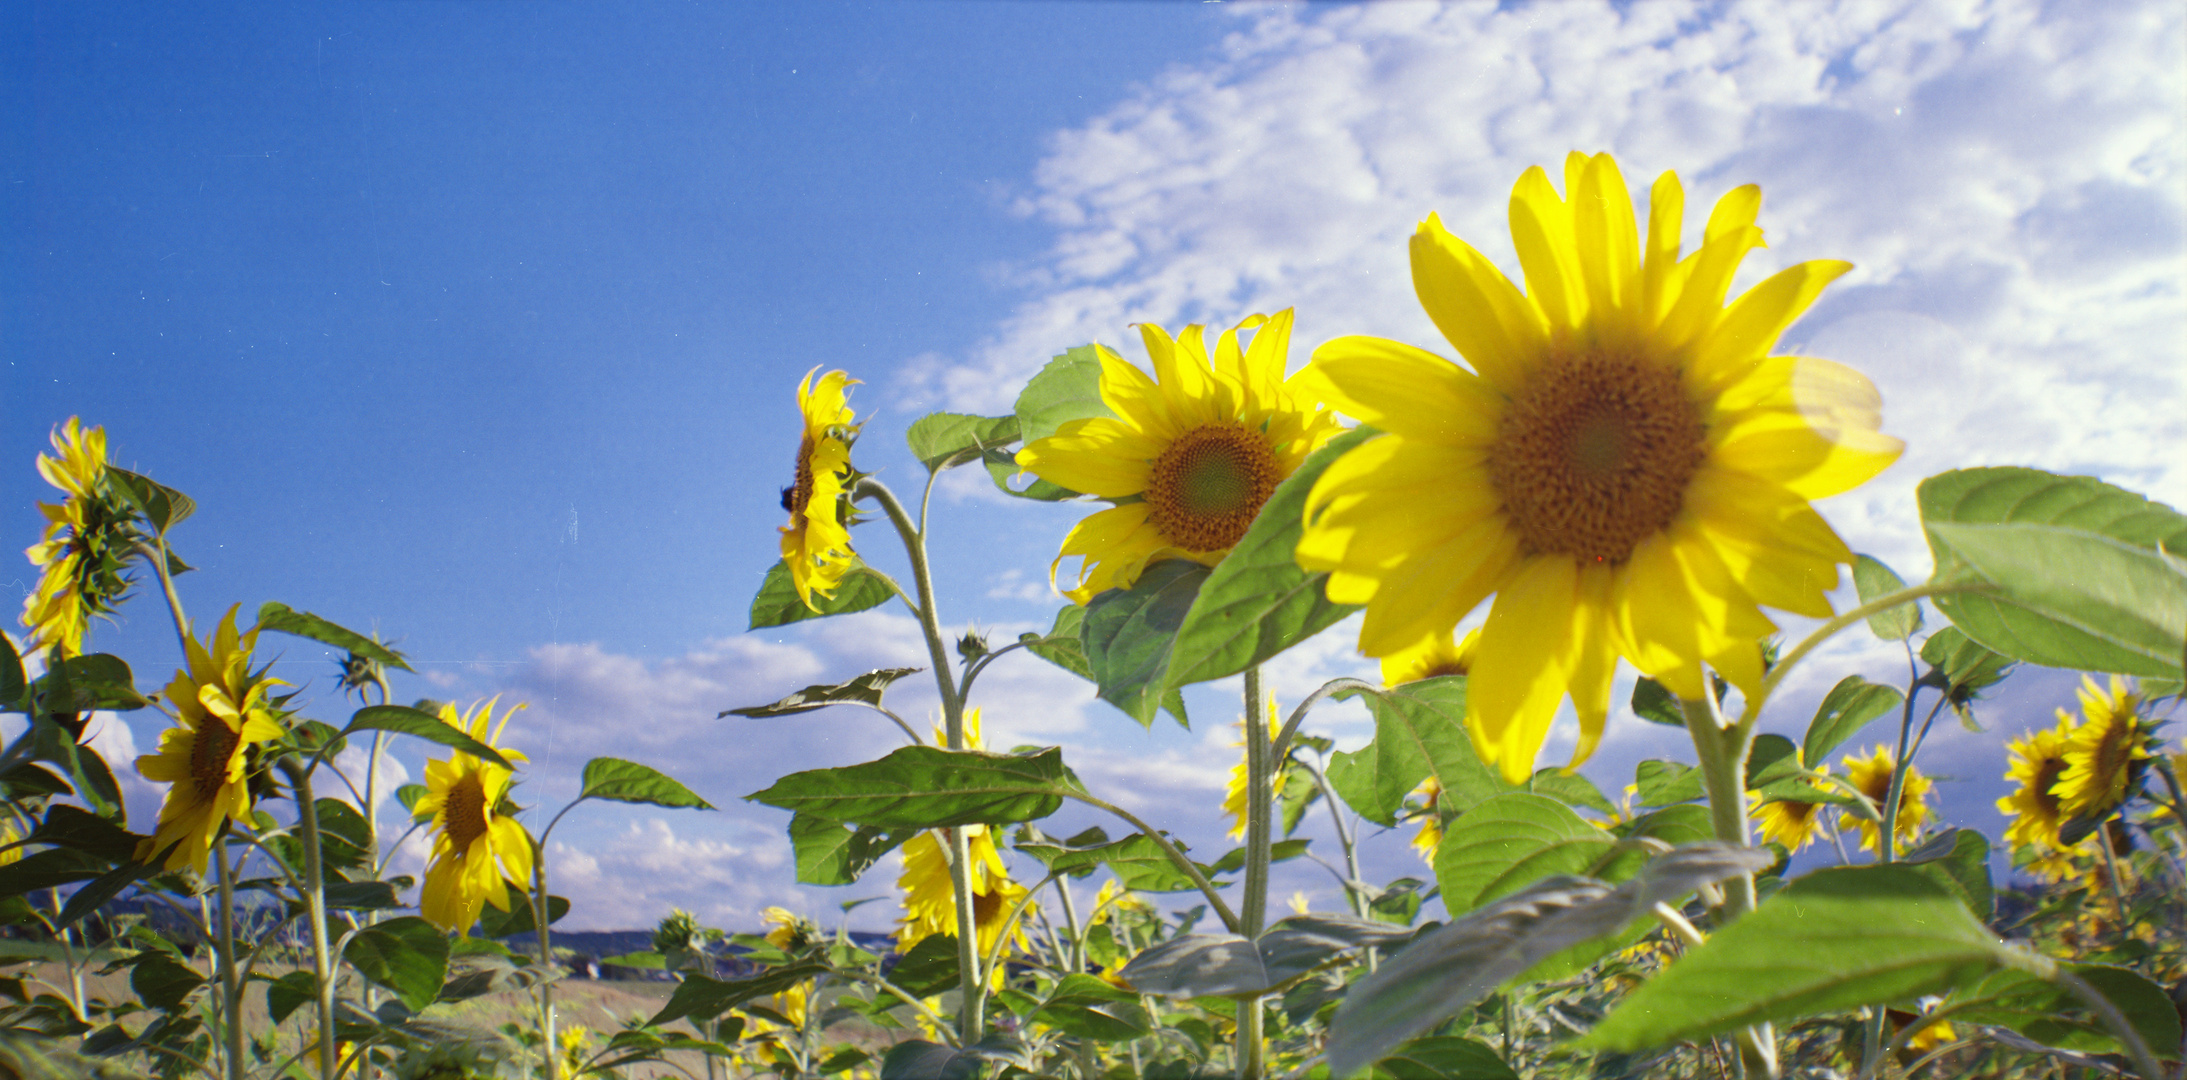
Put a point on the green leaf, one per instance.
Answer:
(163, 507)
(1509, 842)
(362, 895)
(406, 955)
(495, 923)
(1084, 1006)
(1420, 732)
(1874, 581)
(1128, 634)
(101, 889)
(946, 440)
(1443, 1057)
(863, 690)
(918, 1059)
(408, 721)
(1258, 602)
(1445, 970)
(1772, 758)
(280, 618)
(1850, 706)
(777, 602)
(1655, 704)
(1137, 861)
(163, 982)
(1686, 823)
(12, 682)
(627, 781)
(88, 683)
(1280, 851)
(702, 998)
(49, 869)
(1067, 389)
(1959, 860)
(926, 787)
(1661, 783)
(1228, 965)
(343, 838)
(2054, 1016)
(485, 974)
(832, 853)
(28, 781)
(1864, 935)
(1572, 790)
(929, 968)
(1061, 645)
(2080, 569)
(289, 993)
(72, 827)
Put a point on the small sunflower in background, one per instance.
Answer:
(1624, 466)
(2038, 762)
(221, 709)
(1871, 776)
(1234, 796)
(89, 538)
(930, 901)
(1433, 656)
(478, 846)
(2104, 752)
(816, 543)
(1793, 824)
(1429, 814)
(1191, 454)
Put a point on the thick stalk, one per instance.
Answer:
(1723, 757)
(1075, 960)
(553, 1051)
(972, 986)
(315, 906)
(1260, 785)
(231, 988)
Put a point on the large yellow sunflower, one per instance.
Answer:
(1191, 454)
(1793, 824)
(1872, 777)
(2038, 760)
(89, 536)
(1624, 466)
(816, 543)
(477, 847)
(2100, 754)
(220, 711)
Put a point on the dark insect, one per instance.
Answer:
(789, 499)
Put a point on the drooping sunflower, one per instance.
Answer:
(221, 710)
(89, 538)
(2101, 754)
(1872, 776)
(1234, 795)
(1431, 657)
(478, 848)
(1624, 466)
(816, 543)
(2038, 761)
(1189, 457)
(930, 904)
(1793, 824)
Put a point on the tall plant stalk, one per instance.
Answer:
(1260, 782)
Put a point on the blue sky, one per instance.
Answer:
(479, 324)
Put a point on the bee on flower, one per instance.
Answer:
(221, 710)
(478, 845)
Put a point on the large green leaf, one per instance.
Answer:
(1571, 789)
(280, 618)
(1661, 783)
(424, 725)
(12, 679)
(163, 982)
(99, 681)
(1258, 602)
(1228, 965)
(1436, 1057)
(1836, 939)
(1509, 842)
(1652, 701)
(1446, 970)
(406, 955)
(627, 781)
(832, 853)
(1959, 860)
(1850, 706)
(163, 507)
(1061, 645)
(1128, 634)
(777, 603)
(945, 440)
(702, 998)
(1873, 581)
(2080, 569)
(1067, 389)
(926, 787)
(1089, 1008)
(72, 827)
(2054, 1016)
(1419, 732)
(1138, 862)
(863, 690)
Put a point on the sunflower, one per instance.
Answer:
(785, 930)
(2100, 756)
(1430, 657)
(89, 536)
(1234, 796)
(1871, 776)
(2038, 760)
(816, 543)
(1430, 835)
(930, 905)
(479, 847)
(1792, 824)
(1624, 466)
(1190, 455)
(221, 710)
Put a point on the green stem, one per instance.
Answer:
(913, 535)
(1722, 752)
(1354, 884)
(1826, 631)
(1075, 960)
(1252, 1039)
(231, 988)
(314, 889)
(553, 1051)
(1260, 782)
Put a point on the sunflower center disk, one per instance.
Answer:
(1594, 455)
(795, 497)
(466, 812)
(209, 754)
(1205, 488)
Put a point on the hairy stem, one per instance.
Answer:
(231, 987)
(315, 906)
(1722, 752)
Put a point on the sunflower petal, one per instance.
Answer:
(1541, 229)
(1522, 674)
(1407, 391)
(1480, 312)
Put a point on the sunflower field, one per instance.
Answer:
(1617, 468)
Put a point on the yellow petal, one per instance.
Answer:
(1751, 326)
(1541, 229)
(1607, 243)
(1526, 658)
(1480, 312)
(1097, 456)
(1437, 586)
(1666, 217)
(1408, 391)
